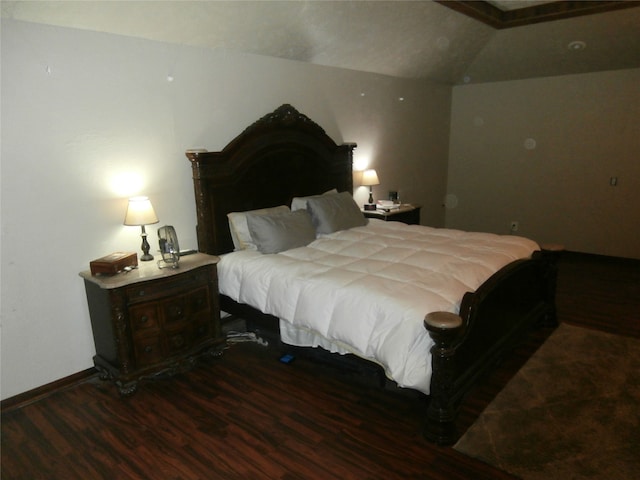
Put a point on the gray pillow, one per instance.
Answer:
(298, 203)
(273, 233)
(331, 213)
(240, 230)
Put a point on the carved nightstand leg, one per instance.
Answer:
(217, 351)
(127, 389)
(103, 373)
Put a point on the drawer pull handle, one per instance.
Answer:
(144, 319)
(148, 349)
(141, 293)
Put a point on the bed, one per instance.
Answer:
(351, 285)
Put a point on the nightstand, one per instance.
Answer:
(406, 213)
(153, 321)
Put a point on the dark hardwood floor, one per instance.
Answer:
(248, 416)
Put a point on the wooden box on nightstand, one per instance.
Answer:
(406, 213)
(152, 321)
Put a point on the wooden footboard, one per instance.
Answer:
(492, 321)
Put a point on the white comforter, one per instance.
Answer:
(366, 290)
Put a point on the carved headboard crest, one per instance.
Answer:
(287, 115)
(284, 117)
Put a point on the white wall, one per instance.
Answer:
(89, 119)
(586, 129)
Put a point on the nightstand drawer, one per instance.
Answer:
(178, 341)
(148, 351)
(199, 300)
(201, 329)
(183, 307)
(144, 318)
(175, 310)
(162, 288)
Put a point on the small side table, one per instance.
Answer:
(153, 321)
(406, 213)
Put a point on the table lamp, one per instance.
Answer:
(369, 179)
(140, 213)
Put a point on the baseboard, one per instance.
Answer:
(601, 257)
(23, 399)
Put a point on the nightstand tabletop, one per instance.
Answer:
(149, 271)
(405, 207)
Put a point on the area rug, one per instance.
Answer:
(571, 412)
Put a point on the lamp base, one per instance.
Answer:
(369, 207)
(146, 256)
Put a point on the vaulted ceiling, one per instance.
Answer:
(444, 41)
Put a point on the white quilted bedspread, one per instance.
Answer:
(366, 290)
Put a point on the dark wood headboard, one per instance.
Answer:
(282, 155)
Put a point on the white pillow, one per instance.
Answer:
(300, 203)
(240, 230)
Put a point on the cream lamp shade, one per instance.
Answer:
(140, 212)
(369, 178)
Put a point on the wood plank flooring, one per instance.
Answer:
(248, 416)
